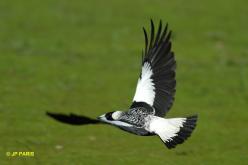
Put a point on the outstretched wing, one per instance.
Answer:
(72, 119)
(156, 84)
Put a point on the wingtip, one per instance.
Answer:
(48, 113)
(146, 39)
(166, 25)
(160, 22)
(152, 25)
(144, 29)
(151, 20)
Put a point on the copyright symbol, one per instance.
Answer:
(8, 154)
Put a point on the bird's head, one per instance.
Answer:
(110, 116)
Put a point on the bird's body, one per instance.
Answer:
(143, 122)
(135, 120)
(154, 95)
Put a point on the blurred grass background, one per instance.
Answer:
(84, 57)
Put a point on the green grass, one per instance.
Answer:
(84, 57)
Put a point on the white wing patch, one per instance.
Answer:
(145, 90)
(166, 128)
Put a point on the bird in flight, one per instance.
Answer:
(153, 98)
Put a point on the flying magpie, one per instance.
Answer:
(154, 95)
(153, 98)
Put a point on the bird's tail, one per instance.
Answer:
(173, 131)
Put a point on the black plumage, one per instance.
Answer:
(162, 61)
(184, 133)
(73, 119)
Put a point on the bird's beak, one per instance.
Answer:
(101, 118)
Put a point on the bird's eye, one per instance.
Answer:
(109, 116)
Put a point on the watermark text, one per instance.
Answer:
(20, 154)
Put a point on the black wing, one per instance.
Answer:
(156, 84)
(72, 119)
